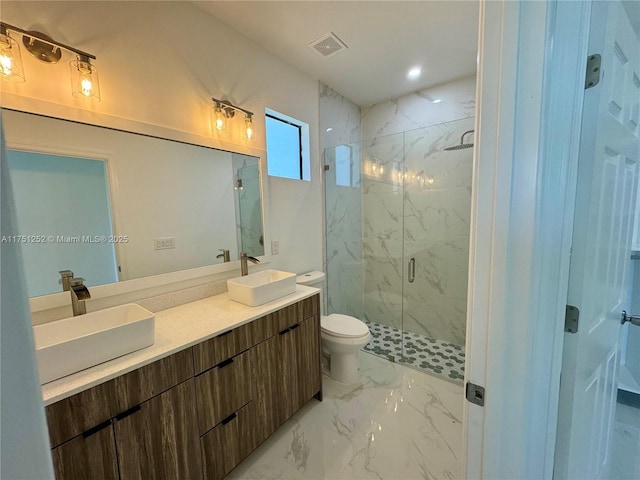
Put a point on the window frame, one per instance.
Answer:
(300, 152)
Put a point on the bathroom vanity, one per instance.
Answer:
(195, 404)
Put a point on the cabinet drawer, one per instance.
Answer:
(77, 414)
(159, 438)
(217, 349)
(87, 456)
(311, 307)
(276, 322)
(223, 390)
(224, 447)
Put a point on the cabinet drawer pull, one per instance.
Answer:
(126, 413)
(96, 429)
(228, 361)
(225, 333)
(229, 418)
(286, 330)
(297, 325)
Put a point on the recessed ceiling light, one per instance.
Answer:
(436, 100)
(328, 129)
(414, 73)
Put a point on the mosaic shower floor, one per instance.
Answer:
(445, 360)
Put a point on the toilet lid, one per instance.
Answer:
(343, 326)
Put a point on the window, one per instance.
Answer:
(343, 166)
(287, 146)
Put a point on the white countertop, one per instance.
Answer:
(176, 329)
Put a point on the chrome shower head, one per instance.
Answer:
(461, 145)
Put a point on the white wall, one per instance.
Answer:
(159, 64)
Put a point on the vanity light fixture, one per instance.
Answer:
(224, 110)
(10, 58)
(248, 128)
(84, 78)
(219, 116)
(84, 75)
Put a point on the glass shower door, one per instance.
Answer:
(397, 212)
(436, 228)
(343, 230)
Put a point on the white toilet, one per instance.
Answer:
(342, 335)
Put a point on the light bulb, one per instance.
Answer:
(86, 86)
(219, 119)
(84, 79)
(248, 128)
(10, 60)
(6, 63)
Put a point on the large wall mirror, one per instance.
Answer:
(113, 205)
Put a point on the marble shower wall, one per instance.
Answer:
(440, 104)
(340, 127)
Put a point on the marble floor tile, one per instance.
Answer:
(397, 423)
(625, 452)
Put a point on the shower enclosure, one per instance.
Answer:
(397, 212)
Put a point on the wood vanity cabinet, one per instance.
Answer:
(288, 373)
(139, 425)
(197, 413)
(157, 439)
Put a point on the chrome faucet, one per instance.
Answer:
(244, 268)
(65, 278)
(79, 293)
(224, 255)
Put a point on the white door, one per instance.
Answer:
(607, 176)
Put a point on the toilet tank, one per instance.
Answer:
(315, 279)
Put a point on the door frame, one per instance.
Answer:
(530, 74)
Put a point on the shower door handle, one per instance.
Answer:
(412, 270)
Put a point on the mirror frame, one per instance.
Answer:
(155, 284)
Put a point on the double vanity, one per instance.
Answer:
(219, 379)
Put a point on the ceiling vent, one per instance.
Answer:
(328, 45)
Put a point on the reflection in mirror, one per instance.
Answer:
(63, 209)
(248, 211)
(111, 205)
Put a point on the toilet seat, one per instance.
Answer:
(344, 326)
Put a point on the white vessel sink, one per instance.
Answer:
(72, 344)
(261, 287)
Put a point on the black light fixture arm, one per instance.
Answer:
(5, 27)
(227, 104)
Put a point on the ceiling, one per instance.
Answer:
(384, 39)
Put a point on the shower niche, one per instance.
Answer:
(397, 232)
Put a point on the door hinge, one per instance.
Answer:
(571, 318)
(475, 394)
(592, 78)
(327, 168)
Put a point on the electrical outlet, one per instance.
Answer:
(275, 247)
(164, 243)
